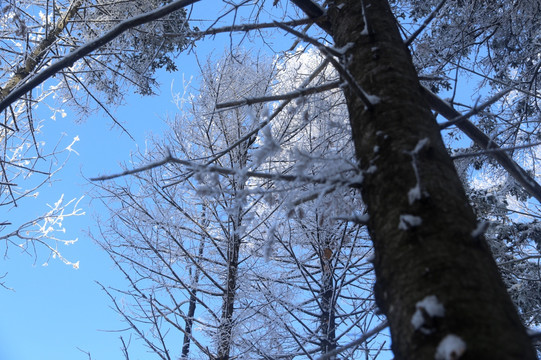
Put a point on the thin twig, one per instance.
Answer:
(238, 28)
(288, 96)
(425, 23)
(354, 343)
(476, 109)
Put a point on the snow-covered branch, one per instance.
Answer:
(368, 100)
(86, 49)
(468, 128)
(190, 165)
(238, 28)
(289, 96)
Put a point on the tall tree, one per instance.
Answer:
(199, 222)
(423, 229)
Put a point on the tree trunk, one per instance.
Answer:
(226, 325)
(423, 240)
(192, 305)
(328, 316)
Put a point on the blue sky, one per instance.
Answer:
(54, 309)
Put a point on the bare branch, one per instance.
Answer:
(468, 128)
(289, 96)
(425, 23)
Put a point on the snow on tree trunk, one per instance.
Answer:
(420, 220)
(188, 327)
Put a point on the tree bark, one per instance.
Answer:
(226, 325)
(424, 245)
(328, 295)
(193, 304)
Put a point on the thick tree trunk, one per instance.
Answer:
(424, 244)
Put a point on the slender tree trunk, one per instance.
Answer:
(423, 244)
(328, 316)
(226, 325)
(192, 306)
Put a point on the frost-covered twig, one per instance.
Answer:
(227, 171)
(425, 23)
(86, 49)
(481, 139)
(288, 96)
(43, 230)
(367, 99)
(357, 342)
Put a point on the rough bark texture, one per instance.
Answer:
(438, 256)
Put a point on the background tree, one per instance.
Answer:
(201, 222)
(319, 289)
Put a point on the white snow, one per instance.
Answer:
(373, 99)
(371, 169)
(408, 221)
(428, 307)
(414, 194)
(480, 229)
(421, 144)
(342, 50)
(451, 347)
(363, 219)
